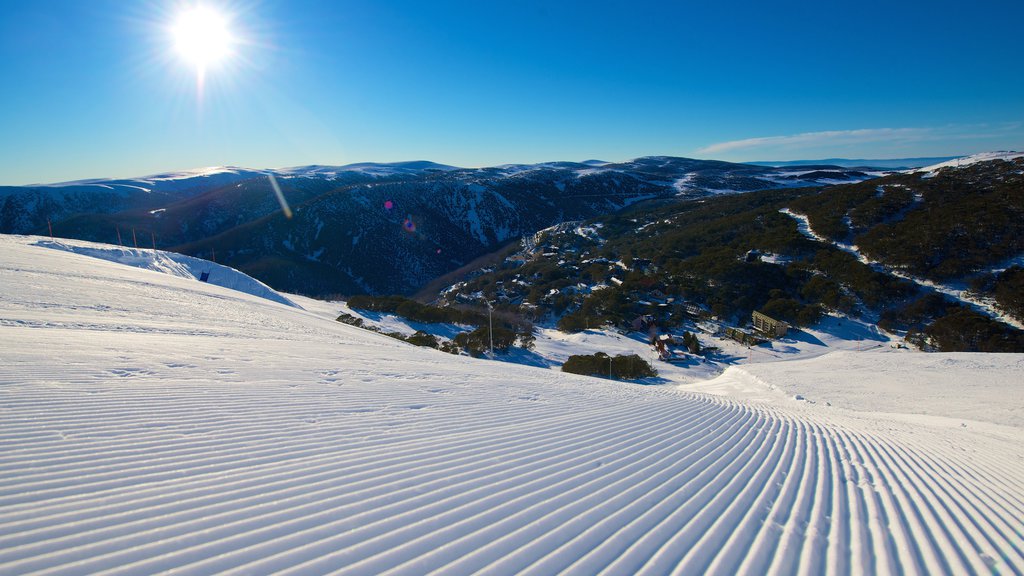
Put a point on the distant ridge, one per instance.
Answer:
(893, 163)
(963, 161)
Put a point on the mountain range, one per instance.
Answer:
(370, 228)
(885, 163)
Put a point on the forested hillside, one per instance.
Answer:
(726, 257)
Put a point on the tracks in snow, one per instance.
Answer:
(213, 477)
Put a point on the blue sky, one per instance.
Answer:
(96, 88)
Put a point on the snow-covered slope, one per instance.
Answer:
(171, 263)
(911, 385)
(968, 160)
(165, 181)
(154, 423)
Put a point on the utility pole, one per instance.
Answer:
(490, 327)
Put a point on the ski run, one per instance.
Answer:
(986, 306)
(154, 423)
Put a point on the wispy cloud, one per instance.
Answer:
(832, 140)
(831, 137)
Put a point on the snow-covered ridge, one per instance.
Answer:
(227, 174)
(378, 169)
(184, 179)
(968, 160)
(171, 263)
(178, 175)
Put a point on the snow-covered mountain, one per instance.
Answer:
(155, 423)
(421, 219)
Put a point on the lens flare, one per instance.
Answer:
(409, 225)
(280, 197)
(388, 205)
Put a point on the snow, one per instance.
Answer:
(154, 423)
(375, 169)
(384, 322)
(170, 263)
(968, 160)
(772, 258)
(181, 175)
(553, 347)
(683, 184)
(803, 225)
(898, 382)
(795, 178)
(143, 188)
(590, 232)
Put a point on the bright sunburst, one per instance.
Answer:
(202, 37)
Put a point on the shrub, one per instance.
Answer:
(526, 340)
(575, 322)
(622, 367)
(824, 290)
(415, 311)
(421, 338)
(1009, 291)
(691, 342)
(478, 342)
(350, 320)
(968, 331)
(792, 311)
(916, 314)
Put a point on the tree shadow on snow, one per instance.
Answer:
(850, 330)
(525, 358)
(806, 337)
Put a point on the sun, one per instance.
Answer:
(202, 37)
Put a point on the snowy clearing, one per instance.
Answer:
(156, 423)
